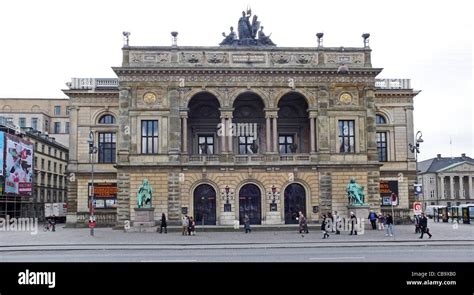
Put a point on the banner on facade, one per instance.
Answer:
(389, 192)
(18, 165)
(2, 153)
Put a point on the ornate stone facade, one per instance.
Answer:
(315, 128)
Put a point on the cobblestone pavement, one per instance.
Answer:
(442, 232)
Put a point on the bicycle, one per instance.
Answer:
(47, 227)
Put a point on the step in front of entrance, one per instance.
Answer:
(218, 228)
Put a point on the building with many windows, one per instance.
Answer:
(447, 181)
(48, 184)
(47, 115)
(243, 129)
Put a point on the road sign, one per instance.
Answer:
(92, 224)
(417, 208)
(394, 199)
(418, 188)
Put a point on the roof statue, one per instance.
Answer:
(249, 34)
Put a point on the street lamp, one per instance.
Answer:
(227, 195)
(416, 149)
(273, 195)
(92, 151)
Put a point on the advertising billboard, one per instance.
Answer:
(18, 166)
(105, 195)
(2, 151)
(389, 192)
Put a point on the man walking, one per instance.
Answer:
(424, 226)
(353, 220)
(373, 219)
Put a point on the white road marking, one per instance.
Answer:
(170, 260)
(323, 258)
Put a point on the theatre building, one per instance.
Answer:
(246, 127)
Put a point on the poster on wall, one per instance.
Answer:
(389, 192)
(2, 152)
(18, 166)
(105, 195)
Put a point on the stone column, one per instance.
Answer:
(451, 186)
(275, 135)
(185, 134)
(224, 134)
(73, 133)
(441, 187)
(230, 137)
(268, 133)
(312, 133)
(470, 193)
(410, 132)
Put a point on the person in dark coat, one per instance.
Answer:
(389, 224)
(163, 224)
(353, 221)
(373, 219)
(324, 224)
(424, 226)
(247, 224)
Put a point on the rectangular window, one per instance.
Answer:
(67, 111)
(54, 167)
(34, 123)
(57, 110)
(22, 122)
(55, 152)
(206, 144)
(66, 130)
(57, 127)
(49, 150)
(107, 147)
(149, 137)
(287, 143)
(42, 148)
(346, 136)
(46, 125)
(49, 165)
(60, 155)
(246, 144)
(42, 164)
(382, 146)
(60, 168)
(36, 162)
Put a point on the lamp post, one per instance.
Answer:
(227, 195)
(416, 149)
(92, 151)
(273, 196)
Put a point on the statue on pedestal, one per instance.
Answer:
(144, 195)
(355, 193)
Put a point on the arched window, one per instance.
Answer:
(379, 119)
(107, 119)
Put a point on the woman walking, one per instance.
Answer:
(163, 224)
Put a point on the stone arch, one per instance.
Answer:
(305, 96)
(307, 196)
(7, 108)
(257, 92)
(36, 108)
(257, 207)
(99, 113)
(190, 95)
(386, 114)
(191, 211)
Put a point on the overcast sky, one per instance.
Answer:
(45, 43)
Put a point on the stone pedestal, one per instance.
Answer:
(144, 217)
(273, 218)
(361, 212)
(226, 218)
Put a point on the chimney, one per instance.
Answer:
(438, 156)
(463, 155)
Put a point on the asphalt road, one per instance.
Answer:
(378, 253)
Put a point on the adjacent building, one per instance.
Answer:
(245, 128)
(447, 181)
(47, 115)
(33, 171)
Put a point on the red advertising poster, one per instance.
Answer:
(18, 166)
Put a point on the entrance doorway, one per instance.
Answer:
(250, 203)
(205, 205)
(295, 201)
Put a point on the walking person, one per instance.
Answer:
(373, 219)
(163, 224)
(52, 223)
(192, 227)
(353, 220)
(417, 224)
(247, 224)
(381, 222)
(324, 224)
(389, 224)
(185, 224)
(424, 226)
(303, 223)
(331, 220)
(338, 221)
